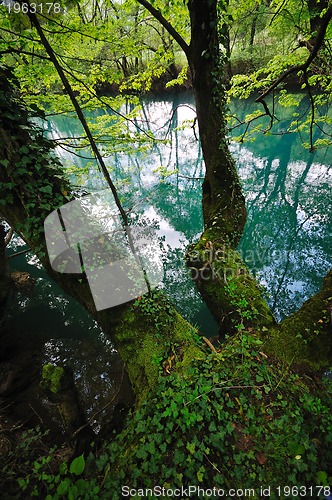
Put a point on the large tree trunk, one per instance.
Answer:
(315, 8)
(223, 201)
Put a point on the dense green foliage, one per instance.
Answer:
(28, 168)
(107, 47)
(235, 419)
(272, 42)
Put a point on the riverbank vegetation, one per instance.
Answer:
(252, 409)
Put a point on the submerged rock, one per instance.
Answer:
(22, 280)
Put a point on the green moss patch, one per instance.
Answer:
(150, 336)
(305, 338)
(226, 285)
(52, 378)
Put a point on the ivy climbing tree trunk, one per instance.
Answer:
(316, 9)
(223, 201)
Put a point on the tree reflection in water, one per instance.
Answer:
(286, 242)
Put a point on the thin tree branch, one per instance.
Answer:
(66, 31)
(34, 20)
(312, 104)
(322, 130)
(163, 21)
(277, 12)
(24, 52)
(9, 236)
(21, 252)
(19, 35)
(69, 150)
(247, 123)
(302, 67)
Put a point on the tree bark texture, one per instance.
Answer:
(223, 201)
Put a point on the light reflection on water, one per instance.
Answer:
(286, 242)
(96, 367)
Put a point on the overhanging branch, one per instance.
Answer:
(302, 67)
(34, 21)
(163, 21)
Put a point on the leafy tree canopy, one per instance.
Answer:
(108, 46)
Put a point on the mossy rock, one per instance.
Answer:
(52, 378)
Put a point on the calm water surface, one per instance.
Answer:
(286, 242)
(287, 238)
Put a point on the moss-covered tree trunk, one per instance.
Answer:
(304, 339)
(223, 201)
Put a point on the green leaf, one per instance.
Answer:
(191, 448)
(63, 487)
(77, 466)
(81, 485)
(22, 483)
(296, 449)
(179, 457)
(321, 477)
(200, 473)
(46, 189)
